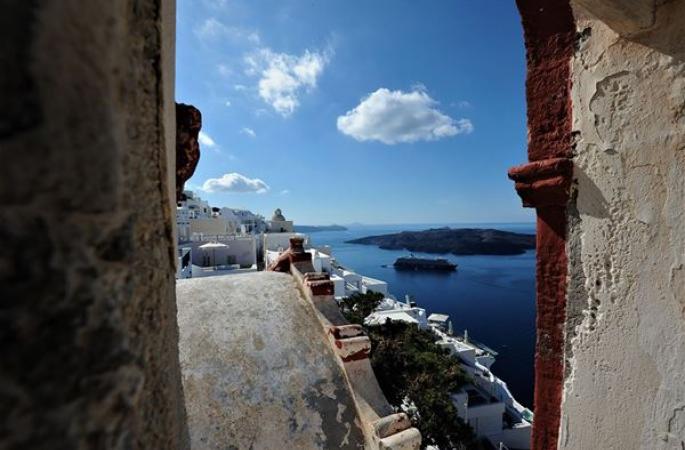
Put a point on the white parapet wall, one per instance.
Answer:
(236, 250)
(281, 241)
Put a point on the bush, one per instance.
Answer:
(357, 306)
(408, 364)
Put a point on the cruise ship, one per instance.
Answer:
(414, 263)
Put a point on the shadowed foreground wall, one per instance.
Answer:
(88, 329)
(625, 361)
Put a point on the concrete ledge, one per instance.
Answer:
(258, 370)
(389, 425)
(404, 440)
(382, 427)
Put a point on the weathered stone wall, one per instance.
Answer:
(88, 329)
(625, 333)
(258, 370)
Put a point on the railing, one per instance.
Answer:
(219, 237)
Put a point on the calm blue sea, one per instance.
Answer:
(491, 296)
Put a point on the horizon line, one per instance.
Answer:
(414, 223)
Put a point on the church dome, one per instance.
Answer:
(278, 216)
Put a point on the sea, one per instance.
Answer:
(493, 297)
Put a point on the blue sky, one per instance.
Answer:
(383, 111)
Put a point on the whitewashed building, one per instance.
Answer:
(279, 224)
(195, 217)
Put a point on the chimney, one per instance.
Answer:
(296, 244)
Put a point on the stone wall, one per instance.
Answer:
(88, 315)
(625, 328)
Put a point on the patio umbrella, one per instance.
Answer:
(213, 246)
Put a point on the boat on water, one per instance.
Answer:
(414, 263)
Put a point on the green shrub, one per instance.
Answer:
(357, 306)
(409, 365)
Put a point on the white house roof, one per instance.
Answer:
(213, 245)
(443, 318)
(379, 318)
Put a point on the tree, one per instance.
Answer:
(357, 306)
(409, 365)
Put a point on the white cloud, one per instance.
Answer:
(213, 29)
(284, 77)
(235, 182)
(394, 117)
(216, 4)
(239, 87)
(285, 192)
(227, 103)
(206, 140)
(464, 104)
(248, 131)
(224, 70)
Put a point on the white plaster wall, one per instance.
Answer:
(625, 361)
(243, 248)
(213, 226)
(281, 241)
(486, 419)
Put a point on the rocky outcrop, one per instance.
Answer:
(464, 241)
(188, 125)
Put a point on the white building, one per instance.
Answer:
(189, 210)
(195, 217)
(211, 226)
(278, 223)
(246, 222)
(280, 242)
(356, 283)
(391, 309)
(486, 404)
(219, 255)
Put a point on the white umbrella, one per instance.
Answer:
(213, 246)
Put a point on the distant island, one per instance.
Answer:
(461, 241)
(316, 228)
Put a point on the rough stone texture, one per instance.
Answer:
(657, 24)
(381, 428)
(188, 125)
(87, 317)
(549, 37)
(544, 184)
(625, 383)
(258, 370)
